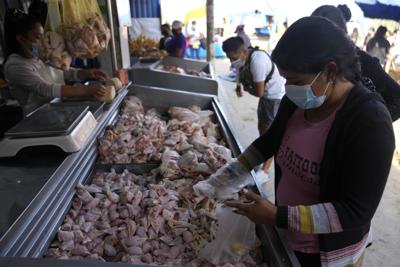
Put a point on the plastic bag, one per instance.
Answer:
(53, 50)
(226, 182)
(85, 31)
(236, 236)
(96, 21)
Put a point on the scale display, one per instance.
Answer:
(49, 120)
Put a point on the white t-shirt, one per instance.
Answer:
(260, 67)
(194, 35)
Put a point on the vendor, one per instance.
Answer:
(176, 46)
(333, 144)
(166, 36)
(32, 82)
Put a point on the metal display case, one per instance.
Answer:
(151, 75)
(28, 238)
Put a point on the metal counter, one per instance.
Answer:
(45, 179)
(149, 75)
(36, 228)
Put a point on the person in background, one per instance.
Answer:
(256, 74)
(370, 34)
(193, 37)
(32, 82)
(285, 26)
(240, 33)
(374, 76)
(176, 46)
(166, 33)
(333, 144)
(354, 36)
(379, 46)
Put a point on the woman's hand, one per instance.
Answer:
(259, 210)
(239, 90)
(91, 74)
(97, 90)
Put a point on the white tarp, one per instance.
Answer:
(149, 27)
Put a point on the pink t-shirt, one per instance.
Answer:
(299, 158)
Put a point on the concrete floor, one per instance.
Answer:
(386, 224)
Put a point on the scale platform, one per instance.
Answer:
(67, 127)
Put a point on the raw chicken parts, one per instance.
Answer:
(88, 40)
(138, 219)
(178, 70)
(155, 218)
(53, 51)
(140, 137)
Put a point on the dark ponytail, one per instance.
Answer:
(311, 43)
(345, 12)
(338, 15)
(16, 22)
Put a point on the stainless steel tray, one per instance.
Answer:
(186, 64)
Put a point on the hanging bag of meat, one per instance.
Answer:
(85, 31)
(52, 50)
(96, 21)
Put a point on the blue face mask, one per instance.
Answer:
(238, 63)
(35, 50)
(303, 95)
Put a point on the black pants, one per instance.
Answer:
(308, 260)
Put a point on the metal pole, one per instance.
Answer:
(210, 29)
(114, 63)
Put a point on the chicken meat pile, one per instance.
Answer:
(88, 40)
(178, 70)
(143, 46)
(139, 219)
(155, 218)
(53, 51)
(188, 144)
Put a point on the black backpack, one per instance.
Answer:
(245, 76)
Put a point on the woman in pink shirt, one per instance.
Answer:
(333, 143)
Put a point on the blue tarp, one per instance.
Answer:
(145, 8)
(380, 9)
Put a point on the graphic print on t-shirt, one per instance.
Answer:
(299, 165)
(299, 158)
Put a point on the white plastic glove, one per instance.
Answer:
(226, 182)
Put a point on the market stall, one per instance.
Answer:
(34, 230)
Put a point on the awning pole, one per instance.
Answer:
(210, 29)
(113, 47)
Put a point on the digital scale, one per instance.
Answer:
(64, 126)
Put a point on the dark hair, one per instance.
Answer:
(379, 38)
(311, 43)
(38, 9)
(232, 44)
(16, 22)
(338, 15)
(345, 12)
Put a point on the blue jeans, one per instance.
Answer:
(194, 52)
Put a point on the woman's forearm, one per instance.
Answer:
(76, 90)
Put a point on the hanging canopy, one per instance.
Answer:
(380, 9)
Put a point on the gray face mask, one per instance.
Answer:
(303, 95)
